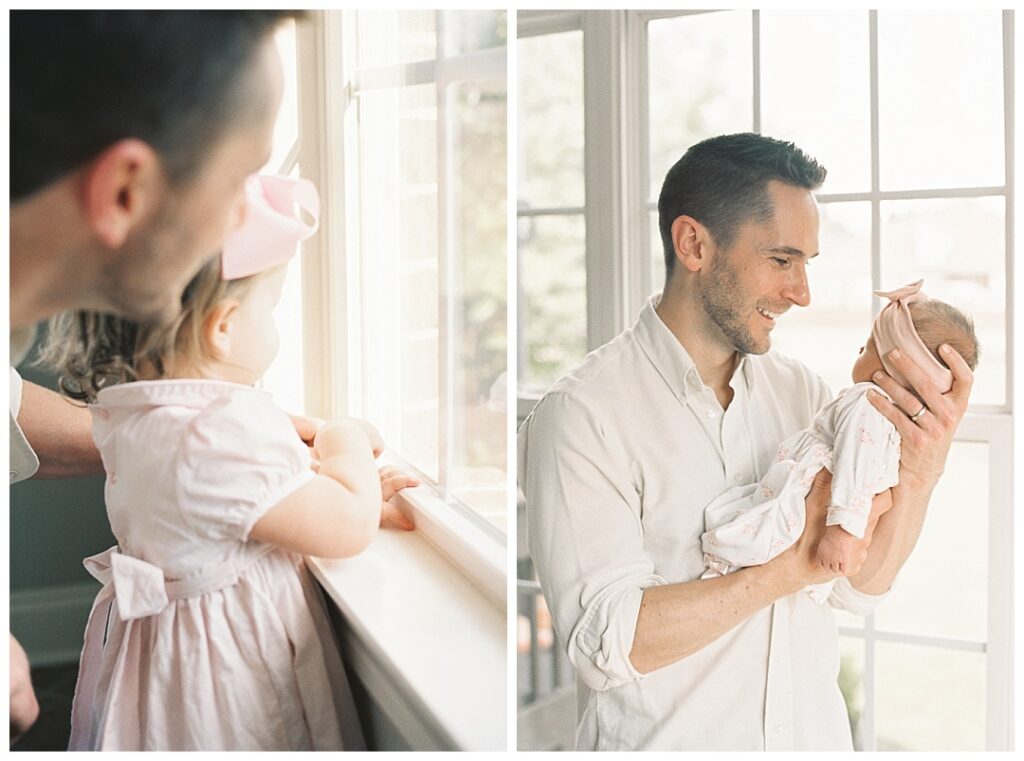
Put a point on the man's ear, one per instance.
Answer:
(218, 328)
(121, 186)
(688, 236)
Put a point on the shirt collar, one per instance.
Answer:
(669, 357)
(189, 392)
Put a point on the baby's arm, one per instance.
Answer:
(337, 512)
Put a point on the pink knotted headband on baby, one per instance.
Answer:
(273, 225)
(894, 329)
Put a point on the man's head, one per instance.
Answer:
(722, 182)
(737, 216)
(148, 122)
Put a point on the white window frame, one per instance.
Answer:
(328, 84)
(619, 280)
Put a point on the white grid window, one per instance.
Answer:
(913, 191)
(403, 124)
(429, 137)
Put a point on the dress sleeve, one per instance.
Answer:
(866, 461)
(585, 537)
(240, 457)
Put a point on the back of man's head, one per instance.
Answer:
(722, 182)
(83, 80)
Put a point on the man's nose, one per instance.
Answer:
(797, 290)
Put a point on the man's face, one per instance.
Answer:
(191, 223)
(764, 272)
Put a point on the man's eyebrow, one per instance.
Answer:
(789, 251)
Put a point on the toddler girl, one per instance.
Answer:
(749, 525)
(209, 632)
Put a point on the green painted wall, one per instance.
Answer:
(54, 524)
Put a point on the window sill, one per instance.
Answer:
(428, 644)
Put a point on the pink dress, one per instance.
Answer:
(201, 639)
(749, 525)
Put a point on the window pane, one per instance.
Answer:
(479, 240)
(827, 335)
(851, 684)
(958, 246)
(823, 107)
(285, 378)
(940, 90)
(700, 83)
(390, 37)
(553, 280)
(929, 698)
(398, 145)
(657, 253)
(466, 31)
(286, 129)
(933, 595)
(551, 121)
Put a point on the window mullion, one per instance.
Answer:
(446, 271)
(869, 737)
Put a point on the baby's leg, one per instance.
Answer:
(836, 549)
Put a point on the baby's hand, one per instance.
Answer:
(392, 481)
(376, 442)
(344, 427)
(840, 551)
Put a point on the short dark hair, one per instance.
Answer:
(82, 80)
(723, 181)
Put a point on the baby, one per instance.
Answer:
(749, 525)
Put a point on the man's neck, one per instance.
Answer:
(714, 359)
(48, 269)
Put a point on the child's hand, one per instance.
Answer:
(392, 481)
(307, 427)
(346, 424)
(376, 442)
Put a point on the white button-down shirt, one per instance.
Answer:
(617, 462)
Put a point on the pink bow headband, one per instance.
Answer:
(272, 228)
(894, 329)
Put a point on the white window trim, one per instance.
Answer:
(618, 270)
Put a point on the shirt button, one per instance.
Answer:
(738, 477)
(14, 474)
(712, 413)
(777, 728)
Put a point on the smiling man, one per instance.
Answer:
(132, 133)
(620, 457)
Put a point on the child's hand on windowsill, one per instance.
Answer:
(392, 481)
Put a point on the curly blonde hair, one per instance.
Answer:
(94, 350)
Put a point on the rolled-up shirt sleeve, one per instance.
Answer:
(845, 597)
(585, 536)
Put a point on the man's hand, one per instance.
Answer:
(24, 708)
(800, 562)
(392, 481)
(925, 441)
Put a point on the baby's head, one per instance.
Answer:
(918, 326)
(225, 328)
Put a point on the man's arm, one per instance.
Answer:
(60, 434)
(925, 445)
(677, 620)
